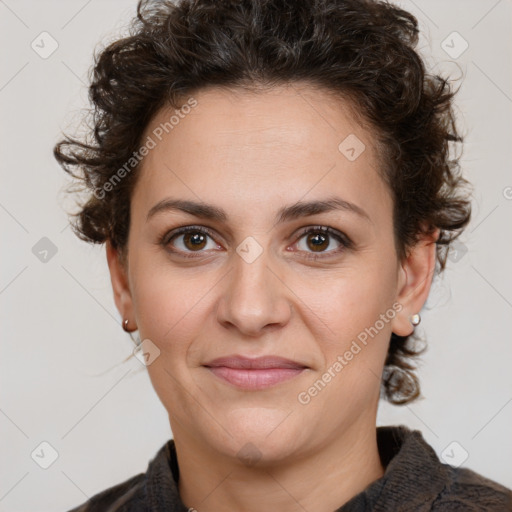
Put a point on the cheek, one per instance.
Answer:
(168, 305)
(170, 313)
(346, 304)
(353, 347)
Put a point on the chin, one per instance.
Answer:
(261, 434)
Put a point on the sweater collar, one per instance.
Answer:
(413, 473)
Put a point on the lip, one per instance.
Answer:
(255, 373)
(255, 363)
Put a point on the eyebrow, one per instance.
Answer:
(287, 213)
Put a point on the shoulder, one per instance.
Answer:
(126, 496)
(417, 480)
(469, 491)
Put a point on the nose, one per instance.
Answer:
(255, 298)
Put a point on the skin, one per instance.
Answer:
(250, 154)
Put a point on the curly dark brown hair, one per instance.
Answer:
(361, 50)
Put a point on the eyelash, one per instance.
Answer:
(344, 240)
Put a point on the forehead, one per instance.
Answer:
(261, 148)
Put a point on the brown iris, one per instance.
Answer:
(316, 237)
(197, 240)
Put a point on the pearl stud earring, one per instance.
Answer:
(415, 319)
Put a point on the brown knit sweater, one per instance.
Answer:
(414, 480)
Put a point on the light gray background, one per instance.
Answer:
(62, 343)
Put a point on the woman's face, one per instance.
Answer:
(258, 278)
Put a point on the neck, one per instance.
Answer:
(323, 481)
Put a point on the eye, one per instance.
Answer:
(189, 239)
(319, 238)
(313, 241)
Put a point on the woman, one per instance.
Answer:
(273, 185)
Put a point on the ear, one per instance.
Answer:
(120, 285)
(415, 280)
